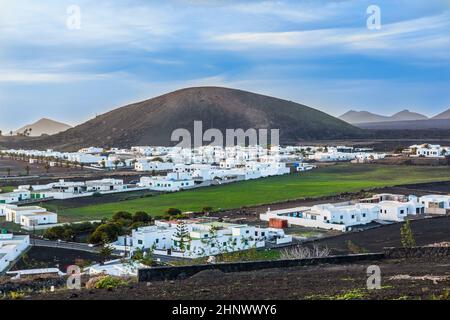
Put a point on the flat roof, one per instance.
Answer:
(28, 208)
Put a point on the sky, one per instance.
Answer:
(71, 60)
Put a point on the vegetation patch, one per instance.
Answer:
(327, 181)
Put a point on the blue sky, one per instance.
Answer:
(319, 53)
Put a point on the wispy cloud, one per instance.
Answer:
(426, 33)
(303, 50)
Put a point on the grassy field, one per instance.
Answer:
(320, 182)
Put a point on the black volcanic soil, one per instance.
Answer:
(311, 282)
(426, 231)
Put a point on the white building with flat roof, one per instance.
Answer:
(73, 189)
(194, 240)
(172, 182)
(343, 216)
(15, 196)
(148, 165)
(436, 204)
(31, 216)
(11, 247)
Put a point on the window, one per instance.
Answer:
(247, 231)
(157, 241)
(342, 217)
(353, 216)
(364, 215)
(263, 234)
(139, 241)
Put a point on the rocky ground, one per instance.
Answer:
(400, 279)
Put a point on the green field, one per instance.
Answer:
(7, 189)
(320, 182)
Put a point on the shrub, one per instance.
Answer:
(54, 233)
(122, 215)
(173, 211)
(407, 236)
(299, 252)
(105, 232)
(141, 216)
(105, 282)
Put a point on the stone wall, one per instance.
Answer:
(182, 272)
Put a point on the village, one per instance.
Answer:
(169, 170)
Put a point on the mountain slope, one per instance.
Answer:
(407, 115)
(152, 122)
(362, 116)
(443, 115)
(42, 126)
(359, 117)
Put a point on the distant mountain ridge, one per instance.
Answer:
(443, 115)
(43, 126)
(358, 117)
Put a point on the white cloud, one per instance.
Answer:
(427, 33)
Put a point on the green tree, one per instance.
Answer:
(122, 215)
(182, 235)
(407, 236)
(173, 211)
(106, 252)
(141, 216)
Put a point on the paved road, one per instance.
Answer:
(64, 245)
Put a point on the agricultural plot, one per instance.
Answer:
(321, 182)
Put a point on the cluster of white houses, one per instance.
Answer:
(194, 239)
(74, 189)
(343, 216)
(11, 247)
(28, 217)
(428, 150)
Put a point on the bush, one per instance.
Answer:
(54, 233)
(122, 215)
(173, 211)
(108, 282)
(407, 236)
(299, 252)
(106, 232)
(141, 216)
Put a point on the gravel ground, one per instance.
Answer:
(400, 279)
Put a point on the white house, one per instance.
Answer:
(172, 182)
(116, 268)
(91, 150)
(147, 165)
(4, 207)
(194, 240)
(343, 216)
(74, 189)
(38, 219)
(14, 197)
(11, 247)
(30, 216)
(436, 204)
(429, 150)
(14, 213)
